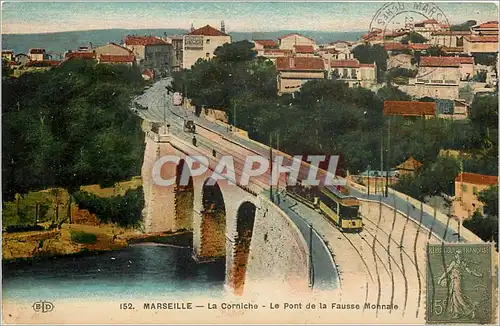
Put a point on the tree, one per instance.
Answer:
(435, 51)
(235, 52)
(490, 199)
(367, 53)
(6, 71)
(69, 126)
(464, 26)
(487, 59)
(466, 93)
(484, 227)
(413, 37)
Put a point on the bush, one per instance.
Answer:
(123, 210)
(83, 237)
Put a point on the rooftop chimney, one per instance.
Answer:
(222, 27)
(292, 62)
(192, 27)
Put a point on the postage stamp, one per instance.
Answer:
(459, 283)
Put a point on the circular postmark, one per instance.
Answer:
(396, 24)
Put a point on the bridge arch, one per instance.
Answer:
(184, 197)
(245, 220)
(213, 222)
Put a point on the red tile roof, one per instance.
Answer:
(392, 46)
(7, 51)
(430, 21)
(144, 40)
(409, 108)
(37, 51)
(351, 63)
(482, 39)
(478, 179)
(43, 63)
(411, 164)
(80, 55)
(277, 51)
(207, 30)
(466, 60)
(451, 33)
(395, 34)
(267, 43)
(294, 34)
(13, 63)
(304, 48)
(452, 49)
(419, 46)
(367, 65)
(116, 58)
(490, 24)
(443, 61)
(300, 63)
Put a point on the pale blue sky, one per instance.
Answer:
(39, 17)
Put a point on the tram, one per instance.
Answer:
(342, 209)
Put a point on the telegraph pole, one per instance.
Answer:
(271, 161)
(382, 159)
(311, 268)
(388, 158)
(278, 149)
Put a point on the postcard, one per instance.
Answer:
(250, 162)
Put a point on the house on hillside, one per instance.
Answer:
(128, 60)
(261, 45)
(467, 187)
(149, 51)
(8, 55)
(80, 55)
(452, 110)
(273, 54)
(303, 50)
(408, 167)
(294, 72)
(290, 40)
(37, 54)
(449, 38)
(486, 29)
(201, 43)
(410, 109)
(177, 42)
(353, 72)
(481, 44)
(112, 49)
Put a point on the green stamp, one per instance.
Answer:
(459, 283)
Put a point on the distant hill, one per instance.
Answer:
(63, 41)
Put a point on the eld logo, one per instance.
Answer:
(43, 306)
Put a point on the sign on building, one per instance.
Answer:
(193, 42)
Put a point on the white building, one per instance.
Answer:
(290, 40)
(481, 44)
(353, 72)
(201, 44)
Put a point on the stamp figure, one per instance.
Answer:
(459, 283)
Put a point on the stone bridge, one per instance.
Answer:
(261, 245)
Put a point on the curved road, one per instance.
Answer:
(161, 108)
